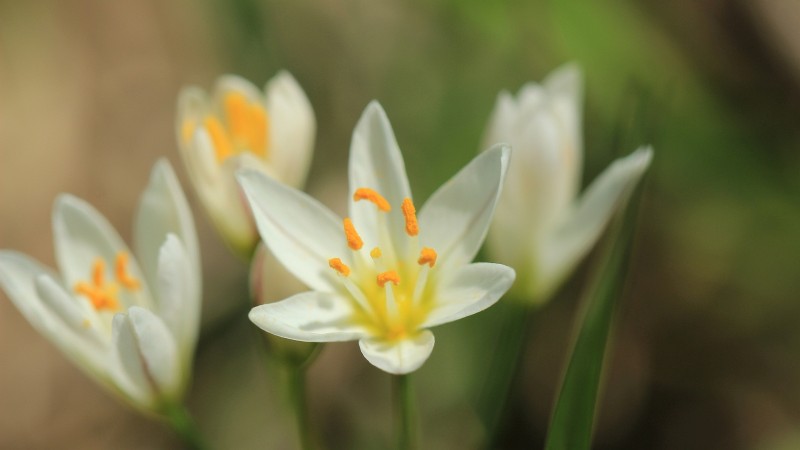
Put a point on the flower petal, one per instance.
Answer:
(583, 226)
(299, 231)
(163, 209)
(44, 303)
(309, 316)
(148, 354)
(376, 163)
(455, 219)
(398, 357)
(81, 235)
(179, 302)
(470, 290)
(85, 327)
(292, 128)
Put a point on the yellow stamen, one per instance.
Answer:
(98, 272)
(353, 239)
(374, 197)
(337, 265)
(123, 277)
(101, 299)
(238, 116)
(427, 256)
(219, 138)
(388, 276)
(187, 130)
(412, 227)
(259, 122)
(375, 253)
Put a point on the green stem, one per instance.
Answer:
(404, 413)
(184, 426)
(493, 399)
(297, 393)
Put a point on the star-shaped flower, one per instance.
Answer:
(131, 327)
(240, 126)
(385, 274)
(541, 227)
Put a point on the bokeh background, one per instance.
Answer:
(706, 353)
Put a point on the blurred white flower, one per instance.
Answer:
(272, 132)
(131, 327)
(381, 276)
(541, 228)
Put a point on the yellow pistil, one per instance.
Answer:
(247, 123)
(337, 265)
(427, 256)
(410, 214)
(372, 196)
(375, 253)
(104, 295)
(353, 239)
(388, 276)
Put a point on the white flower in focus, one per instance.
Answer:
(383, 275)
(239, 126)
(129, 323)
(541, 228)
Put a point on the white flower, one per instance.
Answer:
(131, 327)
(381, 276)
(541, 228)
(240, 126)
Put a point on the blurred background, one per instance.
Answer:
(706, 352)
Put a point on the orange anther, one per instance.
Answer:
(374, 197)
(337, 265)
(123, 277)
(375, 253)
(388, 276)
(101, 299)
(412, 227)
(219, 138)
(427, 256)
(353, 239)
(259, 134)
(98, 272)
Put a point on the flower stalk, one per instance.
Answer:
(404, 413)
(183, 424)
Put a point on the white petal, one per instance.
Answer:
(163, 209)
(398, 357)
(376, 163)
(74, 312)
(147, 352)
(470, 290)
(581, 229)
(292, 128)
(500, 121)
(309, 316)
(81, 235)
(179, 303)
(192, 109)
(18, 275)
(301, 233)
(455, 219)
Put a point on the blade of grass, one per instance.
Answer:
(572, 422)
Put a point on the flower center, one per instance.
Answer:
(389, 290)
(244, 127)
(104, 295)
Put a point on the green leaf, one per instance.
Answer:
(573, 416)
